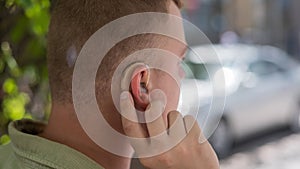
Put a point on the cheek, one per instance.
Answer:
(172, 90)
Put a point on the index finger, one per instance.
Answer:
(153, 115)
(131, 128)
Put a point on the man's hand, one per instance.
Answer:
(191, 151)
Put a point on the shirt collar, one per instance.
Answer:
(27, 145)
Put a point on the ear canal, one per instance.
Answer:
(145, 81)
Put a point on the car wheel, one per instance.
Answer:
(295, 123)
(222, 139)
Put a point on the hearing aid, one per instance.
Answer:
(129, 73)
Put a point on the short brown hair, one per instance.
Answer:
(74, 21)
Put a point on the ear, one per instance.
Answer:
(139, 87)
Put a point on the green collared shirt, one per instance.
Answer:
(29, 151)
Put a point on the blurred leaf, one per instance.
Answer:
(6, 48)
(11, 62)
(28, 116)
(4, 139)
(18, 32)
(41, 23)
(14, 107)
(33, 10)
(24, 3)
(34, 50)
(9, 3)
(38, 13)
(10, 86)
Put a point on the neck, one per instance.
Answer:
(63, 120)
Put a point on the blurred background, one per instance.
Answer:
(24, 85)
(258, 42)
(264, 22)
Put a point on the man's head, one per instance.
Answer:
(73, 22)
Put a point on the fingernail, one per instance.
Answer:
(124, 95)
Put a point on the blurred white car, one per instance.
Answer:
(261, 87)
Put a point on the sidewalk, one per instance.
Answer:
(282, 153)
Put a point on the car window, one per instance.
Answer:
(265, 68)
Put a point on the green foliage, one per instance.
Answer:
(37, 13)
(10, 61)
(4, 139)
(10, 86)
(23, 70)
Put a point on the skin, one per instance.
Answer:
(193, 152)
(63, 120)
